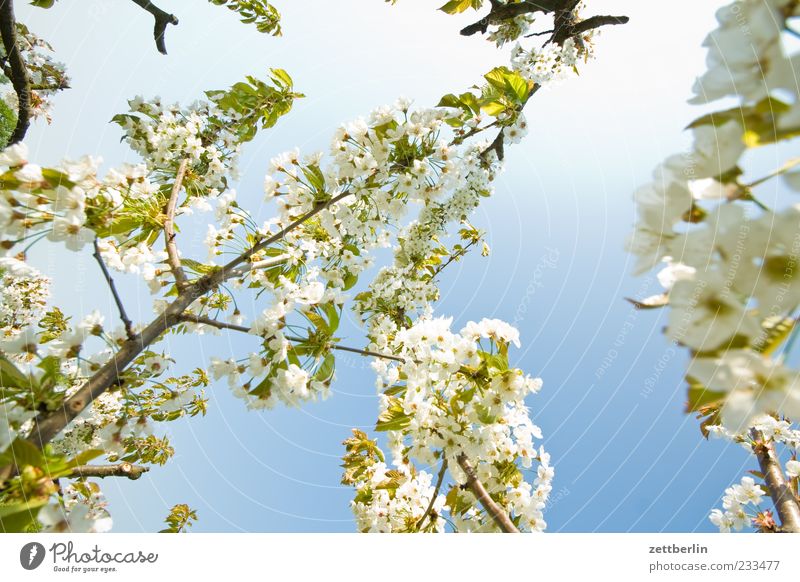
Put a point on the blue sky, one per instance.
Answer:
(626, 457)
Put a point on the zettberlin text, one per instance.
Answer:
(673, 549)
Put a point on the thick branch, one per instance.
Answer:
(17, 69)
(500, 517)
(782, 496)
(48, 425)
(128, 470)
(568, 28)
(117, 299)
(162, 20)
(173, 258)
(597, 21)
(501, 12)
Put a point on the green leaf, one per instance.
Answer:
(18, 517)
(180, 519)
(699, 397)
(326, 369)
(393, 418)
(84, 457)
(25, 453)
(318, 322)
(282, 77)
(516, 87)
(484, 416)
(494, 108)
(52, 372)
(11, 377)
(332, 312)
(457, 6)
(497, 77)
(199, 267)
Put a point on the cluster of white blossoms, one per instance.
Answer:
(24, 297)
(46, 76)
(165, 135)
(766, 431)
(82, 510)
(451, 401)
(396, 500)
(553, 62)
(454, 399)
(408, 286)
(68, 203)
(730, 263)
(734, 514)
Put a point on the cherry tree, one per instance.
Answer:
(83, 398)
(727, 240)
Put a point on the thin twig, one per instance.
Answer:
(782, 496)
(117, 299)
(263, 264)
(540, 33)
(231, 266)
(436, 489)
(189, 318)
(231, 326)
(173, 258)
(162, 20)
(500, 517)
(19, 72)
(454, 257)
(128, 470)
(367, 353)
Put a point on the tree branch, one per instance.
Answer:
(439, 481)
(367, 353)
(173, 258)
(48, 425)
(501, 12)
(500, 517)
(117, 299)
(19, 72)
(189, 318)
(231, 266)
(128, 470)
(162, 20)
(782, 496)
(222, 325)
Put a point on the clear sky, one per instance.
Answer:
(626, 457)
